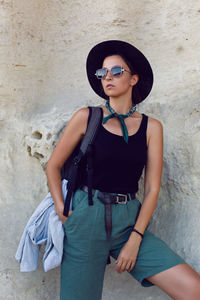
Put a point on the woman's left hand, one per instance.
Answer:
(128, 254)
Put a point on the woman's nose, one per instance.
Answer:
(108, 75)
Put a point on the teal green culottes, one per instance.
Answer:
(86, 247)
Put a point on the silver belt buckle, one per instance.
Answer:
(121, 202)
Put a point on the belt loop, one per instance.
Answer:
(96, 194)
(129, 194)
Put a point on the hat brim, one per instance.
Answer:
(139, 61)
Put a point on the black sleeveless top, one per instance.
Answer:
(118, 166)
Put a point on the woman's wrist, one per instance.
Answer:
(59, 210)
(138, 232)
(134, 236)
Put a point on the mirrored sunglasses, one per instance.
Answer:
(116, 71)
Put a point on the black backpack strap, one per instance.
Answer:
(96, 124)
(89, 174)
(93, 124)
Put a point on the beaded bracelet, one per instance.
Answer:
(135, 230)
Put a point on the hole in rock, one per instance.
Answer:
(37, 135)
(38, 155)
(49, 135)
(29, 150)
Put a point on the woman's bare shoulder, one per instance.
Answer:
(82, 113)
(80, 118)
(154, 129)
(154, 124)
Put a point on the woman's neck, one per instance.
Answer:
(121, 105)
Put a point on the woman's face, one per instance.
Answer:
(118, 86)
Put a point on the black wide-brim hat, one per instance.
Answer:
(132, 54)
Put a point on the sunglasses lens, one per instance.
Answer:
(101, 73)
(116, 71)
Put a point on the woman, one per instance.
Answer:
(127, 141)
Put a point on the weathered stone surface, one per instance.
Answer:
(43, 48)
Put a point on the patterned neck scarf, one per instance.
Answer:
(121, 118)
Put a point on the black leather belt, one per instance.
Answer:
(108, 199)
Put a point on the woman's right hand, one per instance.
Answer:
(63, 218)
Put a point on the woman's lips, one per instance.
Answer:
(108, 86)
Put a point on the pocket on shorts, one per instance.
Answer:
(138, 203)
(133, 210)
(79, 203)
(68, 219)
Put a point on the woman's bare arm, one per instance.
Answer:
(153, 174)
(71, 136)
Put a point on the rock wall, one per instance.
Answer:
(44, 45)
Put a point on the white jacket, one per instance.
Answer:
(43, 228)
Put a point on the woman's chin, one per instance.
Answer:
(110, 93)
